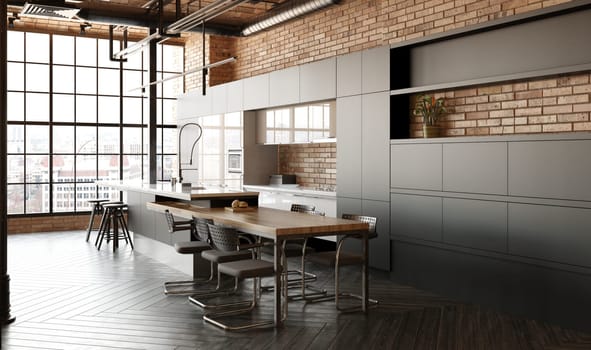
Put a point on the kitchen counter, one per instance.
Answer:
(292, 189)
(165, 189)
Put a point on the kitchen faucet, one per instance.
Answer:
(192, 148)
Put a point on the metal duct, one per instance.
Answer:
(291, 10)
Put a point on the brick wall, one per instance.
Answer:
(30, 224)
(558, 104)
(314, 164)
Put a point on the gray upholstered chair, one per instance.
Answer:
(226, 239)
(187, 247)
(339, 258)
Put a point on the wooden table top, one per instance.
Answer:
(266, 222)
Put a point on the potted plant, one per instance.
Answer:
(430, 108)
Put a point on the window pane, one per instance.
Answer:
(37, 139)
(85, 139)
(63, 108)
(86, 80)
(15, 76)
(210, 142)
(108, 82)
(132, 167)
(63, 168)
(172, 58)
(131, 81)
(63, 79)
(108, 140)
(132, 110)
(109, 167)
(132, 140)
(85, 51)
(37, 168)
(171, 88)
(233, 139)
(15, 105)
(16, 46)
(133, 61)
(300, 118)
(108, 109)
(63, 49)
(63, 197)
(233, 119)
(169, 144)
(85, 168)
(15, 138)
(281, 136)
(169, 167)
(15, 169)
(169, 110)
(37, 107)
(300, 136)
(103, 53)
(84, 192)
(15, 199)
(37, 200)
(86, 109)
(316, 117)
(37, 77)
(63, 140)
(37, 46)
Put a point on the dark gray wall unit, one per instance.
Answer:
(531, 49)
(416, 166)
(550, 233)
(375, 138)
(349, 152)
(480, 168)
(475, 223)
(556, 169)
(416, 216)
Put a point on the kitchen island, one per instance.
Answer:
(150, 231)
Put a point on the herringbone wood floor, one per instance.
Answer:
(67, 295)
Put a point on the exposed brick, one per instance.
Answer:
(558, 109)
(582, 107)
(582, 126)
(523, 129)
(557, 127)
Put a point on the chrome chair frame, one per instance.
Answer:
(353, 260)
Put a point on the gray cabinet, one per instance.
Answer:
(234, 97)
(417, 217)
(318, 80)
(284, 86)
(256, 92)
(349, 147)
(375, 138)
(416, 166)
(375, 70)
(349, 74)
(218, 99)
(193, 104)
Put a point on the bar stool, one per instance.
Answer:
(97, 209)
(112, 220)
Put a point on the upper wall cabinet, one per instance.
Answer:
(349, 74)
(234, 96)
(318, 80)
(375, 70)
(193, 104)
(218, 99)
(256, 92)
(284, 87)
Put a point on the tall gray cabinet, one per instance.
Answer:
(363, 136)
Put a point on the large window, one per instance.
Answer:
(75, 117)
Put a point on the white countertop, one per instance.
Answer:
(291, 189)
(178, 192)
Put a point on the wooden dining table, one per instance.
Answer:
(279, 226)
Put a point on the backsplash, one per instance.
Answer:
(314, 164)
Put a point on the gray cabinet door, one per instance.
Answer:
(349, 74)
(379, 247)
(255, 92)
(416, 166)
(318, 80)
(284, 86)
(234, 96)
(417, 217)
(375, 138)
(349, 147)
(218, 99)
(375, 70)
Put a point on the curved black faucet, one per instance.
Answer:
(192, 148)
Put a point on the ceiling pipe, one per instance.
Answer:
(202, 15)
(286, 12)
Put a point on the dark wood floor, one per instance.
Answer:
(67, 295)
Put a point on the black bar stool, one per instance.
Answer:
(112, 220)
(97, 209)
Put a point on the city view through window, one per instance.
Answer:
(75, 117)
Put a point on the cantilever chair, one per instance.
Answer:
(186, 247)
(340, 258)
(226, 239)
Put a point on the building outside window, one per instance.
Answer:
(75, 117)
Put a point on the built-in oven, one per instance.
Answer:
(235, 161)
